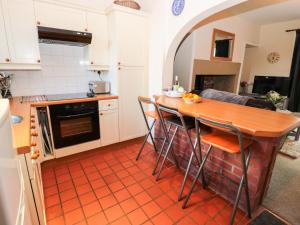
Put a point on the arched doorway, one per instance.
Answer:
(220, 11)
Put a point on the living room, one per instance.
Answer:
(260, 65)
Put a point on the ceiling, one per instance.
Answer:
(103, 4)
(289, 10)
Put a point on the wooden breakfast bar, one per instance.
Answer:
(269, 130)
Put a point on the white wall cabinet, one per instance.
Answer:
(129, 36)
(109, 127)
(4, 53)
(21, 35)
(56, 16)
(130, 39)
(98, 50)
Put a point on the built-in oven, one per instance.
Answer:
(74, 123)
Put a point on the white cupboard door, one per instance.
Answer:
(21, 31)
(98, 50)
(131, 37)
(109, 127)
(131, 85)
(50, 15)
(37, 189)
(4, 53)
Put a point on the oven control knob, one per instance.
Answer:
(67, 107)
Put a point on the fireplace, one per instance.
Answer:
(215, 74)
(218, 82)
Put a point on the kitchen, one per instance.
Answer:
(71, 69)
(73, 133)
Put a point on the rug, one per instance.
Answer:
(267, 218)
(291, 148)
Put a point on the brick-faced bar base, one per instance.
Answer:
(221, 164)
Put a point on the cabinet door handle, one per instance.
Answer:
(119, 63)
(119, 68)
(33, 144)
(85, 29)
(34, 134)
(38, 60)
(101, 114)
(35, 154)
(7, 60)
(38, 23)
(92, 63)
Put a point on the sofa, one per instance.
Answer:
(237, 99)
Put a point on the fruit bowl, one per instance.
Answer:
(190, 98)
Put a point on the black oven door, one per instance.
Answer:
(74, 123)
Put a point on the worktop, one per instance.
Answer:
(250, 120)
(267, 128)
(22, 131)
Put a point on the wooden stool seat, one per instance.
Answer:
(225, 141)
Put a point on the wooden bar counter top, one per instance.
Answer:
(269, 130)
(251, 121)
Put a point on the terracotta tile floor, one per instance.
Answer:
(108, 186)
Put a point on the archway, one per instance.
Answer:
(223, 10)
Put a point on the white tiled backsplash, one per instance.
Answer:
(62, 72)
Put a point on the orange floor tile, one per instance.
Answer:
(110, 187)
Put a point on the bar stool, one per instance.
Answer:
(228, 138)
(153, 114)
(179, 122)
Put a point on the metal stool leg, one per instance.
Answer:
(243, 183)
(193, 153)
(196, 178)
(197, 143)
(297, 136)
(199, 150)
(185, 177)
(145, 140)
(166, 154)
(161, 151)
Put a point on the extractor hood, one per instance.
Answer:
(59, 36)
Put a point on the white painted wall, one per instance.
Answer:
(183, 64)
(273, 38)
(245, 32)
(62, 72)
(199, 47)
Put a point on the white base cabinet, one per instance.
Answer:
(109, 127)
(109, 122)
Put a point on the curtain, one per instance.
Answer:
(294, 95)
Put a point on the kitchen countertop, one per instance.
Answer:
(252, 121)
(22, 131)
